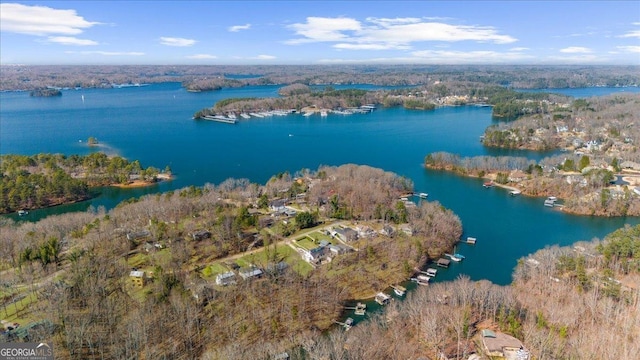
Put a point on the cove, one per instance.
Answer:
(153, 125)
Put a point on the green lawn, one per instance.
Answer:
(306, 243)
(319, 236)
(214, 269)
(138, 260)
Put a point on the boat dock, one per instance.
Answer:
(442, 262)
(382, 298)
(420, 280)
(471, 240)
(360, 309)
(219, 118)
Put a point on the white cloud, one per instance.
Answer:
(265, 57)
(469, 57)
(519, 49)
(41, 20)
(576, 50)
(202, 56)
(389, 33)
(631, 34)
(107, 53)
(631, 49)
(237, 28)
(442, 57)
(351, 46)
(174, 41)
(68, 40)
(578, 59)
(318, 29)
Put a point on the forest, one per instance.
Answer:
(42, 180)
(204, 78)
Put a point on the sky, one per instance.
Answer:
(319, 32)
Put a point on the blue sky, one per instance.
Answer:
(320, 32)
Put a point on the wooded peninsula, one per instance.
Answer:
(43, 180)
(598, 171)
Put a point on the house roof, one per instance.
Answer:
(136, 273)
(499, 341)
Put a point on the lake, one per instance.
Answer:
(154, 124)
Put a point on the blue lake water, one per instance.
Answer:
(153, 124)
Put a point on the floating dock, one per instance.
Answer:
(471, 240)
(221, 119)
(442, 262)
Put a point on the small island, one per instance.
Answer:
(45, 92)
(44, 180)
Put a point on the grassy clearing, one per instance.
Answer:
(138, 260)
(214, 269)
(20, 311)
(319, 236)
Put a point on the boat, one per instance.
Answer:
(22, 212)
(488, 184)
(471, 240)
(382, 298)
(423, 195)
(455, 257)
(419, 282)
(515, 192)
(307, 114)
(245, 116)
(323, 113)
(549, 203)
(361, 308)
(431, 272)
(256, 115)
(423, 278)
(399, 290)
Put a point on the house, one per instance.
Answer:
(250, 272)
(407, 229)
(517, 176)
(630, 165)
(137, 278)
(224, 279)
(502, 345)
(277, 268)
(278, 205)
(338, 249)
(387, 230)
(576, 179)
(148, 247)
(135, 235)
(200, 235)
(315, 255)
(346, 234)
